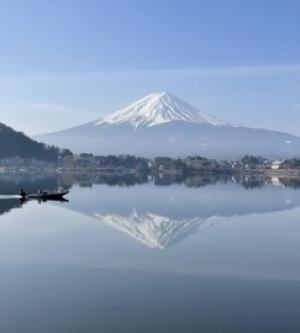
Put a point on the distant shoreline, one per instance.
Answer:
(127, 164)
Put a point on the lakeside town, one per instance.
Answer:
(122, 164)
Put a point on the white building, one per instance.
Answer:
(276, 165)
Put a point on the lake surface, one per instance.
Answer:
(132, 254)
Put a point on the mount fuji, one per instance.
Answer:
(157, 109)
(162, 124)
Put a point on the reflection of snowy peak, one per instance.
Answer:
(153, 230)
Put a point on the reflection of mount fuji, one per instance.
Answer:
(153, 230)
(162, 216)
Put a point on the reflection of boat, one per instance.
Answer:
(44, 196)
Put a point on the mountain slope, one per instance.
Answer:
(13, 143)
(162, 124)
(156, 109)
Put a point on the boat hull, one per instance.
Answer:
(48, 196)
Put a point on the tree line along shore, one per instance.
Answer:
(68, 161)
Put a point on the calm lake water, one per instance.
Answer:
(128, 254)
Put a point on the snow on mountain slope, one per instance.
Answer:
(156, 231)
(159, 108)
(161, 124)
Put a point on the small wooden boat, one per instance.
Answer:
(43, 196)
(48, 195)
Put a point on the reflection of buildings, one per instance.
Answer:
(246, 180)
(276, 181)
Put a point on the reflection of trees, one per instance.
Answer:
(248, 181)
(253, 182)
(197, 180)
(11, 184)
(204, 179)
(112, 179)
(290, 182)
(168, 178)
(7, 205)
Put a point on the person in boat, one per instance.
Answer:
(22, 193)
(42, 192)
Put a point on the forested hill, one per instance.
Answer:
(13, 143)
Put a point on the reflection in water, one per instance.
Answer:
(164, 217)
(89, 265)
(155, 231)
(7, 204)
(160, 217)
(11, 184)
(157, 226)
(200, 180)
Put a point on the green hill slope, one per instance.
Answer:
(13, 143)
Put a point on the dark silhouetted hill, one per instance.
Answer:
(13, 143)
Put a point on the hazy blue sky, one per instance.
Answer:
(63, 62)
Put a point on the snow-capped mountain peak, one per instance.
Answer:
(161, 124)
(159, 108)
